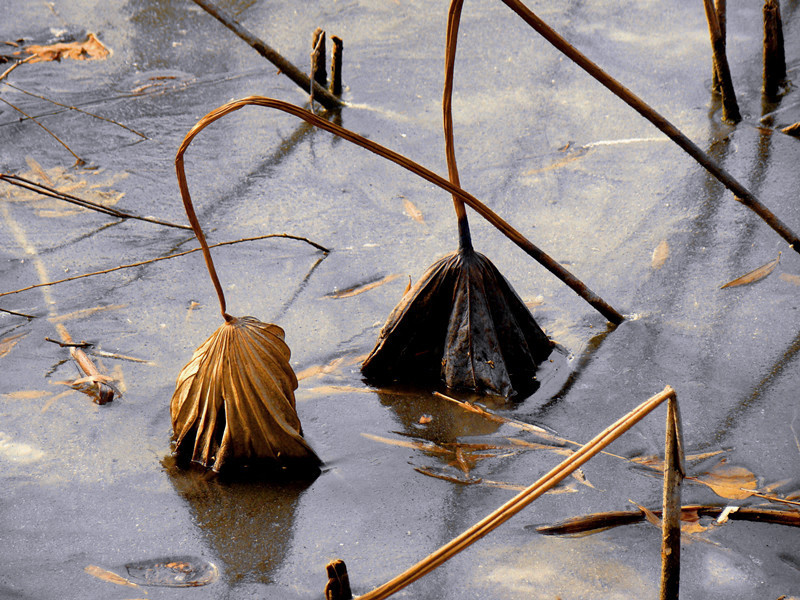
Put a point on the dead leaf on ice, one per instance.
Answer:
(89, 49)
(108, 576)
(660, 255)
(361, 288)
(729, 481)
(412, 211)
(755, 275)
(8, 343)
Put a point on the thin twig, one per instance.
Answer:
(740, 192)
(78, 160)
(69, 344)
(520, 501)
(153, 260)
(17, 314)
(322, 95)
(75, 108)
(14, 66)
(45, 190)
(515, 236)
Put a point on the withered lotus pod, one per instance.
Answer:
(234, 405)
(234, 401)
(464, 325)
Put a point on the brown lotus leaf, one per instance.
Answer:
(89, 49)
(729, 481)
(464, 325)
(234, 402)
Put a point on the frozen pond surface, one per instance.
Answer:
(566, 163)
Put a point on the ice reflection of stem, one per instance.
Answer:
(774, 373)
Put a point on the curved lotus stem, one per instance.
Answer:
(515, 236)
(453, 19)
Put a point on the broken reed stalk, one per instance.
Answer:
(5, 73)
(515, 236)
(453, 20)
(78, 160)
(318, 71)
(168, 257)
(774, 54)
(520, 501)
(674, 473)
(741, 193)
(722, 19)
(336, 65)
(44, 190)
(321, 95)
(730, 108)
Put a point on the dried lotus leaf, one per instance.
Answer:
(234, 401)
(463, 324)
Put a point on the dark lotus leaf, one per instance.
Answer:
(234, 401)
(463, 324)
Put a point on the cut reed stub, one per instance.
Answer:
(464, 325)
(234, 405)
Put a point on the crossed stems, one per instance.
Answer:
(515, 236)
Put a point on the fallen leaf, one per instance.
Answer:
(108, 576)
(755, 275)
(729, 481)
(660, 255)
(84, 312)
(321, 369)
(648, 514)
(89, 49)
(425, 446)
(579, 475)
(412, 211)
(793, 129)
(425, 419)
(334, 389)
(8, 343)
(437, 475)
(361, 288)
(789, 278)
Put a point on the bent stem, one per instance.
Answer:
(515, 236)
(521, 500)
(453, 19)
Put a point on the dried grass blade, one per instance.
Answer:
(755, 275)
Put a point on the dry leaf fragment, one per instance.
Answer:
(660, 255)
(729, 481)
(755, 275)
(89, 49)
(8, 343)
(108, 576)
(790, 278)
(793, 129)
(412, 211)
(361, 288)
(234, 401)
